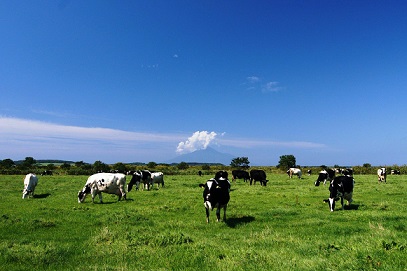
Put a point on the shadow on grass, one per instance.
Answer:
(42, 196)
(352, 207)
(233, 222)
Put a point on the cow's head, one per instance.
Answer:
(82, 194)
(135, 179)
(321, 177)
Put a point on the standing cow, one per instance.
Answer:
(30, 182)
(216, 194)
(110, 183)
(381, 175)
(158, 178)
(340, 187)
(324, 175)
(258, 175)
(294, 171)
(240, 174)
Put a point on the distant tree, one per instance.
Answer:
(99, 166)
(7, 163)
(182, 165)
(151, 165)
(120, 167)
(29, 162)
(65, 166)
(240, 162)
(286, 162)
(367, 165)
(79, 164)
(51, 167)
(206, 167)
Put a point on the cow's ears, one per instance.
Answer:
(202, 185)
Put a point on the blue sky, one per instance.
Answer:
(131, 81)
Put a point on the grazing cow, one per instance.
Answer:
(395, 172)
(200, 173)
(158, 178)
(30, 182)
(46, 172)
(240, 174)
(324, 175)
(381, 174)
(140, 176)
(110, 183)
(294, 171)
(258, 175)
(341, 186)
(309, 171)
(135, 180)
(216, 195)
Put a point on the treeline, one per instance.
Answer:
(60, 167)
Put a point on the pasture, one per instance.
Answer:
(284, 226)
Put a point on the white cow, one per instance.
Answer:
(30, 182)
(158, 178)
(381, 174)
(111, 183)
(294, 171)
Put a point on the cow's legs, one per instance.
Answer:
(207, 215)
(218, 214)
(100, 197)
(224, 213)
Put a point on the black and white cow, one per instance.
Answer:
(324, 175)
(30, 182)
(140, 177)
(240, 174)
(395, 172)
(340, 187)
(135, 180)
(347, 172)
(258, 175)
(46, 172)
(158, 178)
(381, 175)
(216, 194)
(294, 171)
(110, 183)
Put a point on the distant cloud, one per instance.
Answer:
(252, 143)
(175, 56)
(198, 141)
(253, 79)
(21, 137)
(255, 83)
(271, 87)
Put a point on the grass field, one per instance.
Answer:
(284, 226)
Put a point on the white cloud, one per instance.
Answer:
(199, 140)
(252, 143)
(20, 138)
(253, 79)
(271, 87)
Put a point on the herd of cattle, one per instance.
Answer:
(216, 193)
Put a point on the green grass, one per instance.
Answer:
(284, 226)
